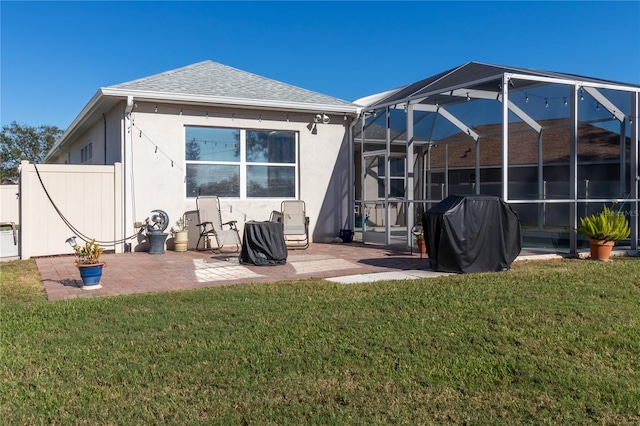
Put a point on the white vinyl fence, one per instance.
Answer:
(9, 203)
(58, 201)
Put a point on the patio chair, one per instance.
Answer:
(212, 231)
(295, 224)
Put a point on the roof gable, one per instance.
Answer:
(214, 80)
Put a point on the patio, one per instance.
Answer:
(141, 272)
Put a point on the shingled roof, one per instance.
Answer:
(210, 79)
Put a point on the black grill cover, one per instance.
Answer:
(263, 244)
(474, 233)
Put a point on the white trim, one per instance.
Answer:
(450, 117)
(485, 94)
(571, 82)
(606, 103)
(220, 100)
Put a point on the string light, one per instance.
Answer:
(186, 111)
(526, 98)
(546, 103)
(468, 97)
(157, 149)
(581, 94)
(565, 101)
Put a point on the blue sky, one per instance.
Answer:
(56, 55)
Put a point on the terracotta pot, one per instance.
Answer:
(600, 249)
(422, 245)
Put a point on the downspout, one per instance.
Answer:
(65, 152)
(351, 221)
(104, 119)
(127, 190)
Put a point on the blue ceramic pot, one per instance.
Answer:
(91, 274)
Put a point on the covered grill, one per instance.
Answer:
(474, 233)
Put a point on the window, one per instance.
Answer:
(396, 177)
(240, 163)
(86, 153)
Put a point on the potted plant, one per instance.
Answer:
(89, 264)
(603, 230)
(180, 235)
(418, 232)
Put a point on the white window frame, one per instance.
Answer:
(403, 178)
(244, 164)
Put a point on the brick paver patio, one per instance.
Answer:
(142, 272)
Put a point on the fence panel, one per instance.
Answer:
(9, 203)
(86, 196)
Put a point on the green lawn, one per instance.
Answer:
(553, 342)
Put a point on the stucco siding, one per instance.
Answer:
(158, 153)
(103, 138)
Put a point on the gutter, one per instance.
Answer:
(104, 94)
(239, 102)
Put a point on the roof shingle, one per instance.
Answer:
(211, 79)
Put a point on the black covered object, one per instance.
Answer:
(475, 233)
(263, 244)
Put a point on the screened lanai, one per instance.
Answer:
(555, 146)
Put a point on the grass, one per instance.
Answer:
(545, 343)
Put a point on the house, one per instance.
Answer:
(556, 146)
(210, 129)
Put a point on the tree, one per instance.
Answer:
(22, 142)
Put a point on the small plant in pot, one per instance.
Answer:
(603, 230)
(180, 235)
(89, 263)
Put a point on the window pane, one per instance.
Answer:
(213, 179)
(211, 144)
(396, 189)
(271, 147)
(397, 166)
(270, 181)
